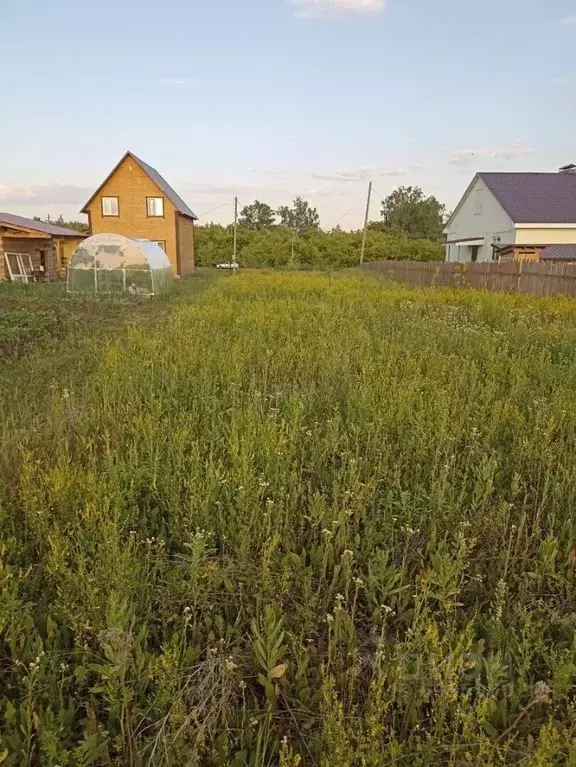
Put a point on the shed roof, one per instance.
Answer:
(558, 253)
(160, 182)
(535, 198)
(9, 219)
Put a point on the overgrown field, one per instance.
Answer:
(302, 520)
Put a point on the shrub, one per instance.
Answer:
(319, 250)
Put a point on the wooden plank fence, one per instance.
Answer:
(537, 279)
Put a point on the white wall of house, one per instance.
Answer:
(480, 217)
(543, 235)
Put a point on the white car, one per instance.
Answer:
(230, 265)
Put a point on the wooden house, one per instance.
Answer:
(34, 250)
(135, 201)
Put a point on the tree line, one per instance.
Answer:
(410, 228)
(406, 211)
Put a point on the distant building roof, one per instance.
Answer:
(558, 253)
(535, 198)
(160, 182)
(9, 219)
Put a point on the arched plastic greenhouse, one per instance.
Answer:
(111, 263)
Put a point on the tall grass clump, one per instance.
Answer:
(303, 521)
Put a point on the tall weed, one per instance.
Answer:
(304, 520)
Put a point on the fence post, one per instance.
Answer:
(519, 278)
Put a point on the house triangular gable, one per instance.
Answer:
(477, 177)
(161, 184)
(461, 203)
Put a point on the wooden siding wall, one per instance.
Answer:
(186, 244)
(538, 279)
(65, 248)
(132, 186)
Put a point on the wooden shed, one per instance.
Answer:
(34, 250)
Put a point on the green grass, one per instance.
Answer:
(294, 519)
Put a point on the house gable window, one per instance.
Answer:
(110, 206)
(155, 206)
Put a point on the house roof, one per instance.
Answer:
(535, 198)
(160, 182)
(9, 219)
(558, 253)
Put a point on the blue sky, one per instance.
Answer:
(273, 98)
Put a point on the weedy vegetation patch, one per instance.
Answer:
(296, 520)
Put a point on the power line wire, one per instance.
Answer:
(212, 210)
(349, 211)
(378, 194)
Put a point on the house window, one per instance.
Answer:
(474, 253)
(161, 244)
(110, 206)
(155, 206)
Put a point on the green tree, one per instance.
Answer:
(78, 226)
(300, 218)
(258, 215)
(407, 211)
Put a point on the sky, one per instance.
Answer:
(270, 99)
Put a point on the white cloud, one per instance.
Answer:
(47, 194)
(564, 82)
(247, 192)
(569, 21)
(467, 157)
(311, 8)
(178, 82)
(365, 173)
(322, 192)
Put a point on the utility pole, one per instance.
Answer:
(233, 264)
(363, 248)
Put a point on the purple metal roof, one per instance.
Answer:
(535, 198)
(38, 226)
(170, 193)
(558, 253)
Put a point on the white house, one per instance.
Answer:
(505, 216)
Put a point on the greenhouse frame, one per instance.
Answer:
(114, 264)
